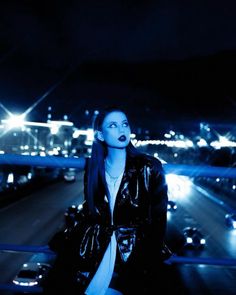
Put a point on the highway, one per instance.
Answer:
(34, 219)
(195, 209)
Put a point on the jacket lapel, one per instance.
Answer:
(129, 184)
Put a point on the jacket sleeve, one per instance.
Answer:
(158, 208)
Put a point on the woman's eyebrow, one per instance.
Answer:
(110, 122)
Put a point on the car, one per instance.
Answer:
(193, 238)
(70, 175)
(171, 206)
(71, 214)
(230, 220)
(35, 271)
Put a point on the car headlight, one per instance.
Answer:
(189, 240)
(33, 283)
(234, 224)
(203, 241)
(16, 282)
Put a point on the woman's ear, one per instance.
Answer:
(99, 135)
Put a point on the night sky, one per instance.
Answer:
(164, 61)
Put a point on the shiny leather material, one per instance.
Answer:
(139, 215)
(139, 222)
(126, 238)
(90, 245)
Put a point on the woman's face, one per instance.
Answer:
(115, 130)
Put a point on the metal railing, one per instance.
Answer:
(70, 162)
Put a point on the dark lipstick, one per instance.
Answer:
(122, 138)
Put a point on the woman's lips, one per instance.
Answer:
(122, 138)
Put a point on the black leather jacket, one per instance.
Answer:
(139, 216)
(139, 220)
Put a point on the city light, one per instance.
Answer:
(15, 121)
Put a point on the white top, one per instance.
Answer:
(102, 278)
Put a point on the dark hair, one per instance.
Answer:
(96, 162)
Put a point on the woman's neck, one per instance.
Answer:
(116, 156)
(115, 162)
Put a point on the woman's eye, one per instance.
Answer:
(113, 125)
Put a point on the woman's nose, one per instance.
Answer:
(121, 128)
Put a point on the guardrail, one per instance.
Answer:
(72, 162)
(174, 259)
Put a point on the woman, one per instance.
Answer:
(121, 231)
(127, 190)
